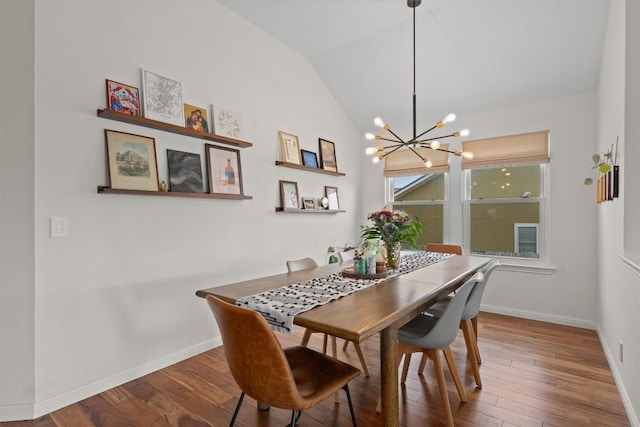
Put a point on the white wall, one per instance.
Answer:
(116, 299)
(17, 374)
(619, 290)
(568, 295)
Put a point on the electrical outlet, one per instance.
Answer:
(59, 226)
(621, 351)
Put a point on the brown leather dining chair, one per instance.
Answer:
(306, 263)
(444, 248)
(294, 378)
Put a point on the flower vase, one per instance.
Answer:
(392, 254)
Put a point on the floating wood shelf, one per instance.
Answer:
(109, 190)
(167, 127)
(307, 168)
(297, 210)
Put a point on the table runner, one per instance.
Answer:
(279, 306)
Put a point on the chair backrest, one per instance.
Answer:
(446, 328)
(472, 307)
(256, 359)
(442, 248)
(301, 264)
(347, 255)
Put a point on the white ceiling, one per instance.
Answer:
(472, 55)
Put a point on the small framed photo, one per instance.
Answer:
(185, 172)
(132, 161)
(332, 195)
(289, 194)
(123, 98)
(308, 203)
(226, 122)
(328, 155)
(309, 158)
(224, 170)
(289, 147)
(162, 99)
(196, 118)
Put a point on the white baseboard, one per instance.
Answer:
(29, 412)
(544, 317)
(626, 401)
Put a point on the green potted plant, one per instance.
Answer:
(392, 228)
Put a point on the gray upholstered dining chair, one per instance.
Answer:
(430, 335)
(470, 312)
(304, 264)
(294, 378)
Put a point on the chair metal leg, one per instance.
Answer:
(295, 416)
(353, 415)
(235, 413)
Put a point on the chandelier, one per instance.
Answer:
(381, 151)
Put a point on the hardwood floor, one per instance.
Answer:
(533, 373)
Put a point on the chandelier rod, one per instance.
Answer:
(414, 72)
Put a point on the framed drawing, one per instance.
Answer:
(308, 203)
(162, 99)
(289, 194)
(224, 170)
(132, 161)
(289, 147)
(226, 122)
(309, 158)
(196, 118)
(123, 98)
(185, 172)
(332, 196)
(328, 155)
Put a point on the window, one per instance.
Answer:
(505, 200)
(423, 197)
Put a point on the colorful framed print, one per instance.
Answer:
(196, 118)
(328, 155)
(226, 122)
(224, 170)
(123, 98)
(309, 158)
(132, 161)
(185, 172)
(289, 147)
(308, 203)
(332, 195)
(162, 99)
(289, 194)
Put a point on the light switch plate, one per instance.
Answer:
(59, 226)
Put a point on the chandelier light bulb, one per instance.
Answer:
(468, 155)
(434, 145)
(380, 123)
(369, 136)
(450, 118)
(428, 163)
(372, 150)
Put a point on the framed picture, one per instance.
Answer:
(328, 155)
(332, 195)
(123, 98)
(226, 122)
(225, 173)
(289, 147)
(162, 99)
(196, 118)
(132, 161)
(309, 158)
(185, 172)
(308, 203)
(289, 194)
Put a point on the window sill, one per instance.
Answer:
(512, 265)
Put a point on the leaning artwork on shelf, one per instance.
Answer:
(196, 118)
(289, 194)
(289, 147)
(332, 195)
(328, 155)
(162, 99)
(132, 161)
(226, 122)
(223, 167)
(123, 98)
(309, 202)
(185, 172)
(309, 158)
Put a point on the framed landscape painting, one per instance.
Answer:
(123, 98)
(162, 99)
(185, 172)
(132, 161)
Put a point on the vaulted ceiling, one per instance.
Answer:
(471, 55)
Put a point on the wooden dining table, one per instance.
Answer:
(381, 308)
